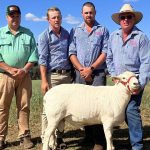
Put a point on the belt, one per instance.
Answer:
(60, 71)
(5, 73)
(99, 71)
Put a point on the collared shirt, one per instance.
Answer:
(88, 46)
(131, 55)
(17, 50)
(53, 50)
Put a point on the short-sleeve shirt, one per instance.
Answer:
(17, 50)
(88, 46)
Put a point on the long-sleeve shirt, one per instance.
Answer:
(17, 50)
(88, 46)
(53, 50)
(131, 55)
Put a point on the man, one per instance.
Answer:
(18, 53)
(132, 53)
(54, 62)
(87, 51)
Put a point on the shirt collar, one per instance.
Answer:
(19, 30)
(135, 31)
(50, 29)
(95, 26)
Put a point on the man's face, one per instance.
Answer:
(127, 21)
(88, 14)
(13, 19)
(54, 19)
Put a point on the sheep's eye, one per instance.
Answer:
(123, 78)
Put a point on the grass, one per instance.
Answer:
(72, 135)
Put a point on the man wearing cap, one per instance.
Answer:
(87, 51)
(129, 49)
(18, 53)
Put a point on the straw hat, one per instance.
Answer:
(127, 8)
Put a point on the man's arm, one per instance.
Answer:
(76, 62)
(7, 68)
(43, 51)
(44, 82)
(109, 60)
(144, 53)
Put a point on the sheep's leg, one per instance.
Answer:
(108, 129)
(52, 140)
(60, 132)
(61, 125)
(49, 137)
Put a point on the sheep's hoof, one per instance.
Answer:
(61, 146)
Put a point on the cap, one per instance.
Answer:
(11, 9)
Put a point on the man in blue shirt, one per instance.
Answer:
(54, 62)
(128, 49)
(87, 51)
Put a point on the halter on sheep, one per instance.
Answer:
(64, 102)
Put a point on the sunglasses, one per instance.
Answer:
(14, 15)
(129, 17)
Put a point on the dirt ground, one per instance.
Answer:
(73, 136)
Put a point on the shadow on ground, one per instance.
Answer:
(74, 137)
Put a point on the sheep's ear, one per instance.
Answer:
(116, 79)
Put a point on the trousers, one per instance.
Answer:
(134, 122)
(95, 132)
(22, 88)
(54, 79)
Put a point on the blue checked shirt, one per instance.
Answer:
(88, 46)
(53, 50)
(133, 55)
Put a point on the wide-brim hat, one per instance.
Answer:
(127, 8)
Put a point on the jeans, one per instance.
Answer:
(94, 133)
(134, 122)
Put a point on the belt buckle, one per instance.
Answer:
(63, 71)
(60, 71)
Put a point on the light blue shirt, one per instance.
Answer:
(88, 46)
(133, 55)
(53, 50)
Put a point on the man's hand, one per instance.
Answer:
(86, 72)
(136, 92)
(20, 73)
(45, 87)
(12, 71)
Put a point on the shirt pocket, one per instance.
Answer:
(4, 44)
(26, 45)
(132, 56)
(64, 43)
(96, 42)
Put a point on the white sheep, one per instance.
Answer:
(83, 105)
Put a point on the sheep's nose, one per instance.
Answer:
(136, 84)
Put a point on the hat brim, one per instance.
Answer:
(13, 12)
(138, 16)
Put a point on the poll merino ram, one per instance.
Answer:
(83, 105)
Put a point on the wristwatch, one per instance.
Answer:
(92, 68)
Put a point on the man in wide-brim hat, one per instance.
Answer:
(129, 49)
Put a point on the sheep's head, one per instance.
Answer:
(129, 79)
